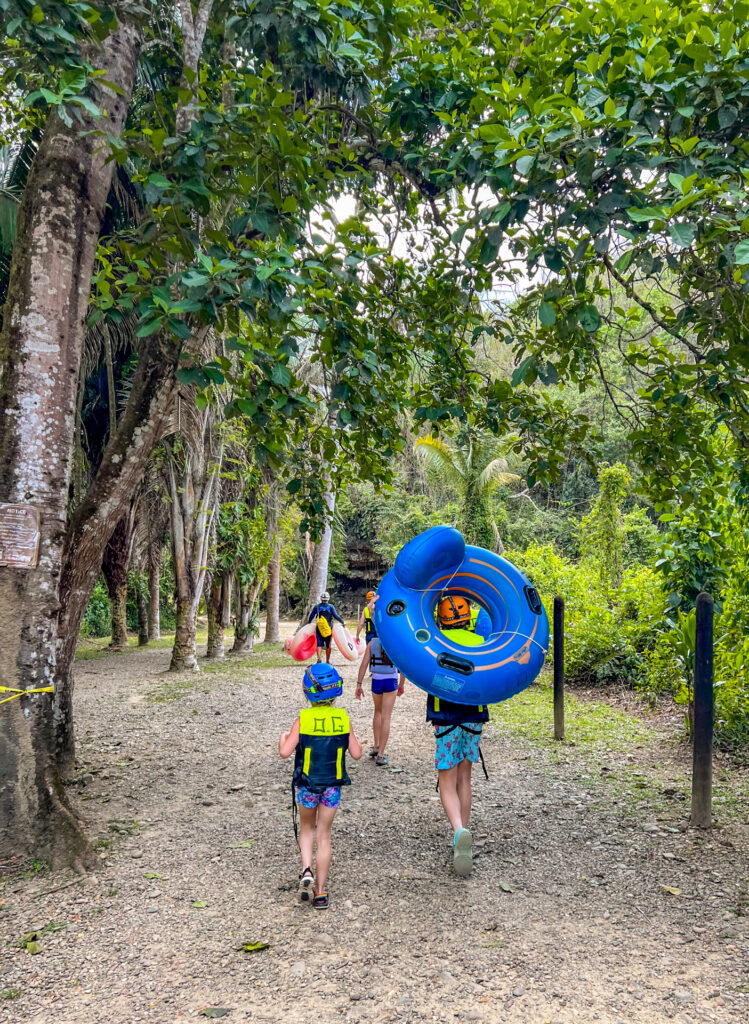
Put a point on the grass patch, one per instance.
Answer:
(589, 725)
(10, 993)
(594, 729)
(92, 649)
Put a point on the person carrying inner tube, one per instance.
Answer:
(322, 615)
(319, 737)
(457, 731)
(366, 619)
(387, 683)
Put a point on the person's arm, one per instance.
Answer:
(354, 745)
(362, 672)
(312, 614)
(401, 684)
(288, 740)
(360, 627)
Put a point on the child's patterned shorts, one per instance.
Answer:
(331, 797)
(456, 745)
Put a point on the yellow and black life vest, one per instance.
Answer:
(446, 712)
(321, 752)
(369, 625)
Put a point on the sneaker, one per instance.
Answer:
(463, 852)
(306, 886)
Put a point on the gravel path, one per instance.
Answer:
(565, 919)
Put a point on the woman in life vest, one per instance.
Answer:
(387, 684)
(322, 615)
(319, 738)
(457, 731)
(366, 619)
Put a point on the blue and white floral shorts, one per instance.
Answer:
(456, 744)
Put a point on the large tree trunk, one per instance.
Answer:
(215, 607)
(318, 577)
(93, 522)
(114, 567)
(193, 485)
(273, 596)
(40, 351)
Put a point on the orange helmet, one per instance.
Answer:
(370, 594)
(454, 611)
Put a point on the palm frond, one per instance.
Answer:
(443, 458)
(496, 474)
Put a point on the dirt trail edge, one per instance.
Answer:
(572, 913)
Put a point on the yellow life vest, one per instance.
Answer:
(464, 636)
(323, 742)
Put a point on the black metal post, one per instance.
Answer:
(702, 754)
(558, 668)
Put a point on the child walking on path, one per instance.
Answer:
(387, 684)
(320, 737)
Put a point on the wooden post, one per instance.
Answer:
(702, 754)
(558, 668)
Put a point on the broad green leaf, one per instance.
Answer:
(546, 314)
(590, 319)
(683, 233)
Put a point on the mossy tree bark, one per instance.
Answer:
(114, 567)
(215, 607)
(40, 352)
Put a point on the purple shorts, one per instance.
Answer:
(331, 797)
(384, 684)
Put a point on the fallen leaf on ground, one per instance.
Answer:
(506, 887)
(199, 904)
(671, 889)
(153, 874)
(252, 947)
(216, 1011)
(244, 844)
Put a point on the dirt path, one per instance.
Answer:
(565, 919)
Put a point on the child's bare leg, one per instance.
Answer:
(386, 712)
(307, 819)
(325, 817)
(465, 796)
(377, 720)
(448, 786)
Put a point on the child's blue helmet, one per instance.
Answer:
(322, 682)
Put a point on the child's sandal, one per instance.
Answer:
(374, 751)
(306, 885)
(321, 901)
(381, 760)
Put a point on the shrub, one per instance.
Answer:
(606, 631)
(98, 618)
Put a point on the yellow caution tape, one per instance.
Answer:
(22, 693)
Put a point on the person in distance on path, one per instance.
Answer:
(366, 619)
(387, 683)
(322, 615)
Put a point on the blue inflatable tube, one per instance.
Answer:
(439, 561)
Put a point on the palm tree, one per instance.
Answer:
(474, 464)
